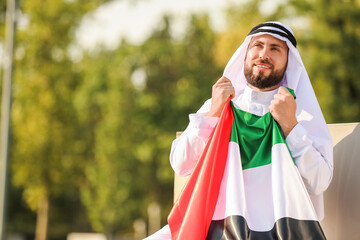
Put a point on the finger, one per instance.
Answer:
(225, 84)
(228, 89)
(271, 106)
(283, 91)
(279, 97)
(273, 103)
(232, 92)
(223, 80)
(232, 95)
(228, 92)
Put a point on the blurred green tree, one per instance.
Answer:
(130, 104)
(44, 121)
(2, 21)
(329, 39)
(179, 77)
(105, 108)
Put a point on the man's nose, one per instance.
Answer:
(264, 53)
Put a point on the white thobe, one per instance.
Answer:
(186, 150)
(314, 168)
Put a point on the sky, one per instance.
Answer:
(134, 20)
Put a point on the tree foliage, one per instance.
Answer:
(131, 102)
(329, 40)
(105, 107)
(43, 116)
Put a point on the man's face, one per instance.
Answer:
(265, 62)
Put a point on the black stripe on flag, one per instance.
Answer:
(236, 228)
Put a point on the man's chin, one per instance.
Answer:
(263, 74)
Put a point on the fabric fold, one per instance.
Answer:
(192, 212)
(273, 202)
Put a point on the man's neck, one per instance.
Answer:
(263, 89)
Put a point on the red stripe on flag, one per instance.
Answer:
(192, 212)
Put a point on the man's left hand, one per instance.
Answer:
(283, 110)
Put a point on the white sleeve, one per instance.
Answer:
(186, 149)
(315, 169)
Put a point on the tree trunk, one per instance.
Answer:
(42, 219)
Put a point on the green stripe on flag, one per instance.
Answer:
(255, 137)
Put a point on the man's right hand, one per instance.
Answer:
(221, 91)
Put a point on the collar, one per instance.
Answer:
(252, 95)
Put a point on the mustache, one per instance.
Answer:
(267, 62)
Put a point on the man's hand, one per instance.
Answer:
(221, 91)
(283, 110)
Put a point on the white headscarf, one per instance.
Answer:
(308, 112)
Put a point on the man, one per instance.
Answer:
(257, 79)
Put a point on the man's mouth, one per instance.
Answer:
(262, 66)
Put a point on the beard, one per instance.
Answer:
(260, 81)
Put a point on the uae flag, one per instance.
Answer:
(244, 186)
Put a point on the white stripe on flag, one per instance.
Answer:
(272, 191)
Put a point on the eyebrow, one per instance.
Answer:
(276, 45)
